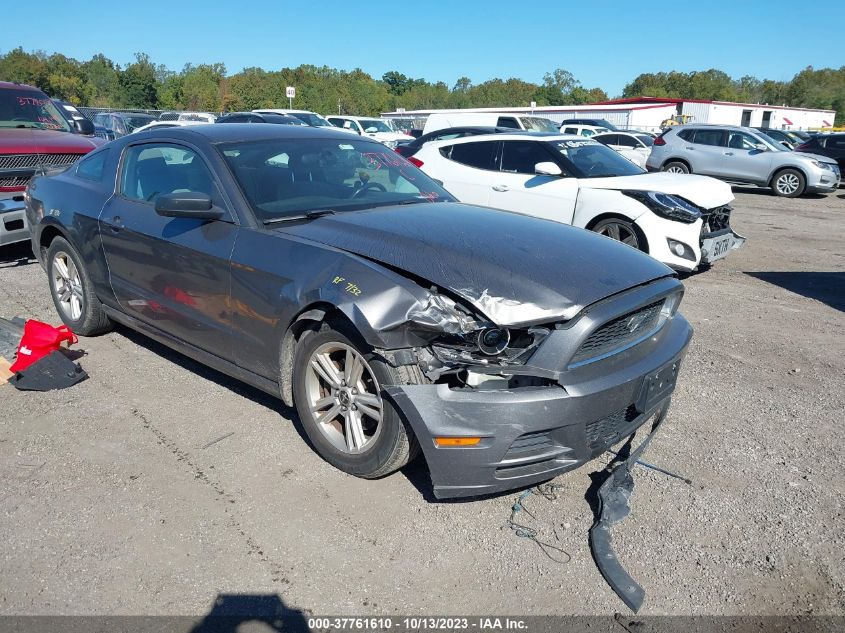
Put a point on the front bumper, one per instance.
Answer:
(13, 224)
(823, 181)
(532, 434)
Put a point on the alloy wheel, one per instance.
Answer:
(619, 232)
(674, 169)
(67, 286)
(788, 184)
(343, 397)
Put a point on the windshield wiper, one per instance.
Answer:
(308, 215)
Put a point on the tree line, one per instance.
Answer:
(207, 87)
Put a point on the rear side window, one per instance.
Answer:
(627, 141)
(571, 130)
(709, 137)
(507, 121)
(479, 155)
(608, 139)
(836, 142)
(520, 157)
(91, 167)
(686, 134)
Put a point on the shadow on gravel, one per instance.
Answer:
(765, 191)
(219, 378)
(19, 254)
(253, 612)
(827, 287)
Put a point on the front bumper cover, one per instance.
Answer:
(532, 434)
(13, 225)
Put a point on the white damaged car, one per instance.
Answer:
(681, 220)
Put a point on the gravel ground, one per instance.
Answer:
(114, 500)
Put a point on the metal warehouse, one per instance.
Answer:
(647, 113)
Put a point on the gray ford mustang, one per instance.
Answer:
(332, 273)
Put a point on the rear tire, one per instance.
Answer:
(337, 391)
(72, 291)
(789, 183)
(676, 167)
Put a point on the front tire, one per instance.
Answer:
(789, 183)
(72, 291)
(337, 389)
(621, 231)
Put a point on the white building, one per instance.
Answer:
(647, 113)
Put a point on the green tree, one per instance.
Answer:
(139, 88)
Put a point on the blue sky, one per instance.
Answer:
(604, 44)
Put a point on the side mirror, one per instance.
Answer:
(83, 126)
(547, 169)
(761, 146)
(188, 204)
(371, 130)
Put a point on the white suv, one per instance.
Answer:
(683, 221)
(378, 129)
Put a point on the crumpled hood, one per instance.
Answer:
(29, 141)
(515, 269)
(704, 191)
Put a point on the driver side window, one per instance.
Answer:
(740, 140)
(153, 169)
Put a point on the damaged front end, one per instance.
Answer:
(511, 404)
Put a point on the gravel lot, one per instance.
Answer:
(114, 500)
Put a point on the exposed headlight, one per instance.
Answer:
(666, 206)
(391, 144)
(822, 165)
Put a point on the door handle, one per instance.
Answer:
(116, 223)
(689, 148)
(500, 188)
(729, 153)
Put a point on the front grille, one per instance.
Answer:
(31, 161)
(716, 219)
(537, 442)
(611, 428)
(14, 182)
(619, 332)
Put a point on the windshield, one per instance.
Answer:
(537, 124)
(133, 122)
(312, 119)
(591, 159)
(772, 143)
(285, 178)
(28, 108)
(378, 124)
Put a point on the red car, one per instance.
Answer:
(34, 136)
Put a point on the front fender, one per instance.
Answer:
(592, 203)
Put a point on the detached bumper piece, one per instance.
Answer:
(613, 496)
(717, 245)
(54, 371)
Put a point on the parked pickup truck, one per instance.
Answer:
(34, 136)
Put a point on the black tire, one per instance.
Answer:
(677, 166)
(392, 446)
(788, 183)
(91, 319)
(623, 231)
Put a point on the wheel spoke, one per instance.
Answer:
(370, 412)
(353, 368)
(324, 366)
(354, 430)
(75, 307)
(329, 415)
(61, 268)
(613, 231)
(65, 294)
(322, 403)
(630, 240)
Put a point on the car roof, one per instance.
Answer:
(282, 111)
(17, 86)
(214, 133)
(517, 134)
